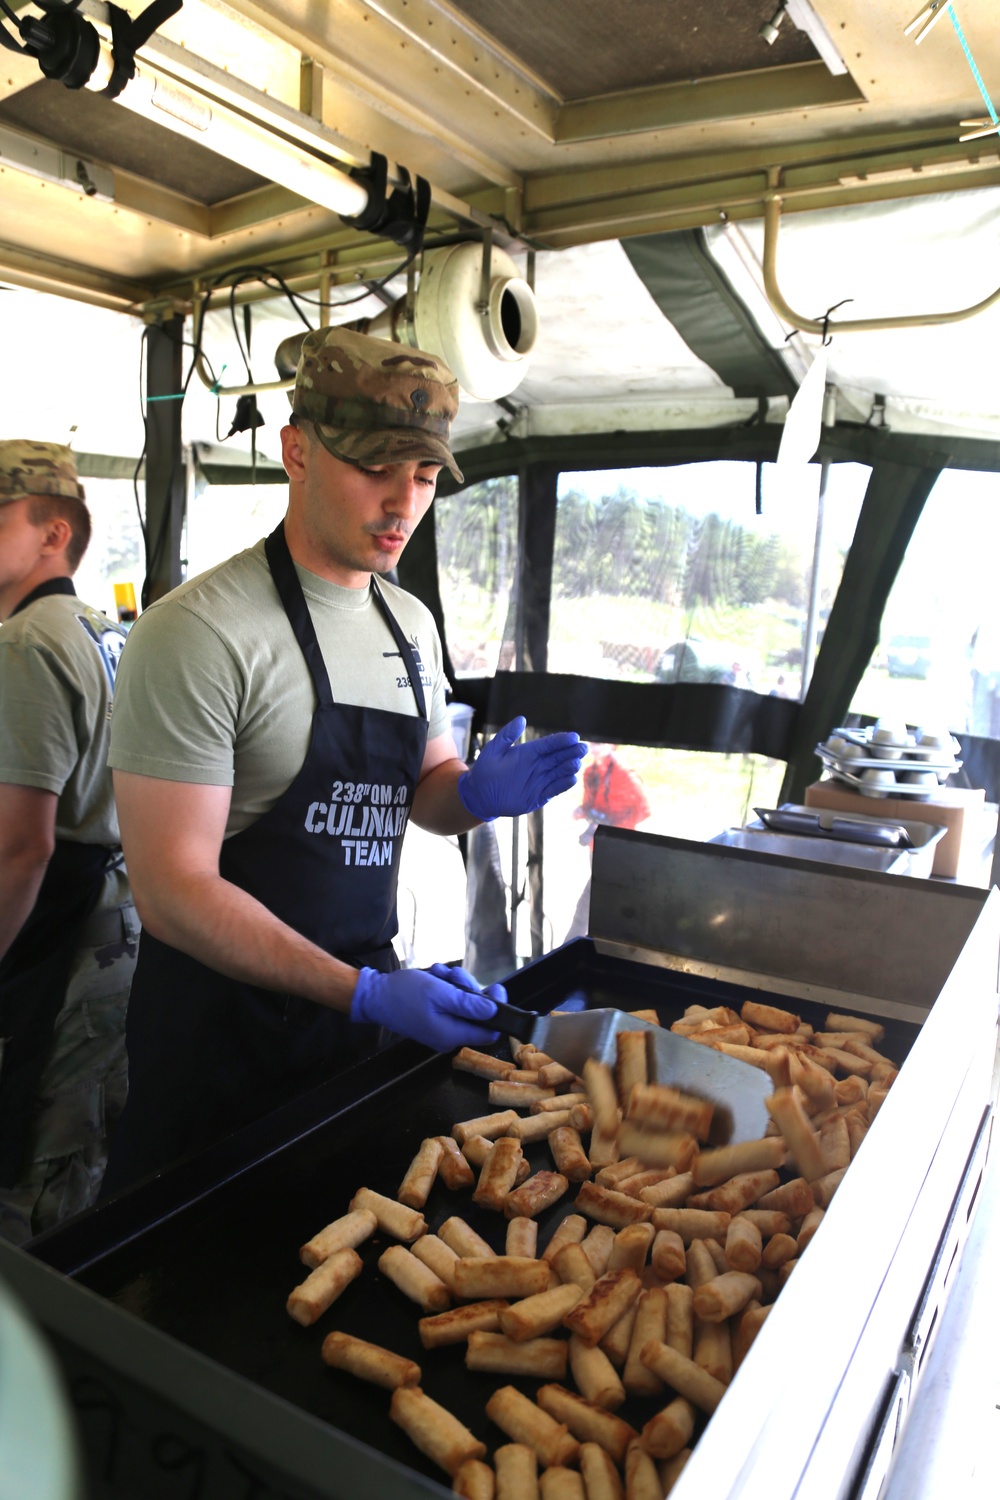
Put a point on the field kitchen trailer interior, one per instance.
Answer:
(719, 282)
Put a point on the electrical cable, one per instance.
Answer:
(153, 553)
(153, 547)
(267, 276)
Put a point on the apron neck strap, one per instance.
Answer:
(286, 581)
(406, 650)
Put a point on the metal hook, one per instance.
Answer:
(827, 335)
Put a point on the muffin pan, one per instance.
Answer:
(896, 760)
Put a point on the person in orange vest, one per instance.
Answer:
(614, 795)
(611, 793)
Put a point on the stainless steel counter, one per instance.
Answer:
(829, 1390)
(951, 1445)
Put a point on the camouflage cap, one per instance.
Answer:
(28, 468)
(375, 402)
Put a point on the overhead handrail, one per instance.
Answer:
(826, 325)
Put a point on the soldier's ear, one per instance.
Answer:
(57, 534)
(294, 452)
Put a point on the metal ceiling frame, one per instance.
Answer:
(327, 81)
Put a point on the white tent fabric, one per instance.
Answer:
(924, 255)
(606, 359)
(70, 374)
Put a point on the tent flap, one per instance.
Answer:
(694, 294)
(893, 502)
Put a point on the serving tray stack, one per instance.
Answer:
(889, 767)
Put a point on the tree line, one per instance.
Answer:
(622, 545)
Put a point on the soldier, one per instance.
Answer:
(277, 722)
(68, 928)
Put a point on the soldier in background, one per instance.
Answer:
(612, 794)
(68, 928)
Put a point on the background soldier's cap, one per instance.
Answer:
(28, 468)
(375, 402)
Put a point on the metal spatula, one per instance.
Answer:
(737, 1089)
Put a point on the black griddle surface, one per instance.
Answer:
(214, 1273)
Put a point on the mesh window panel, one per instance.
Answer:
(937, 666)
(665, 575)
(685, 582)
(476, 535)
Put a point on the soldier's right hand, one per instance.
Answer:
(427, 1007)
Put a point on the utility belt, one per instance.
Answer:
(119, 924)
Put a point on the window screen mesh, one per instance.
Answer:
(670, 575)
(115, 554)
(659, 575)
(938, 661)
(476, 533)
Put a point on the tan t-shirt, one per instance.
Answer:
(57, 665)
(214, 689)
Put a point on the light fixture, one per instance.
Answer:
(69, 49)
(769, 31)
(157, 98)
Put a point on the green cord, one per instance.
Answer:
(972, 64)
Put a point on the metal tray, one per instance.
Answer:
(850, 830)
(862, 737)
(914, 850)
(901, 789)
(208, 1251)
(941, 769)
(826, 851)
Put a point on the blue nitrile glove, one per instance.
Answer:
(428, 1007)
(509, 779)
(467, 981)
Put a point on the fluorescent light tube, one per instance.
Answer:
(159, 99)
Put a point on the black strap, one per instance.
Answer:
(286, 581)
(51, 586)
(405, 650)
(401, 215)
(127, 36)
(677, 715)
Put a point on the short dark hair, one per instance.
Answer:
(44, 508)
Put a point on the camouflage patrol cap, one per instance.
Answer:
(375, 402)
(28, 468)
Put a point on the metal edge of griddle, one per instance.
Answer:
(790, 1447)
(297, 1446)
(870, 1391)
(76, 1242)
(774, 984)
(821, 929)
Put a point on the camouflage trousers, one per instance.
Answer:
(81, 1091)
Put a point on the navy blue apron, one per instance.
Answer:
(35, 971)
(208, 1054)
